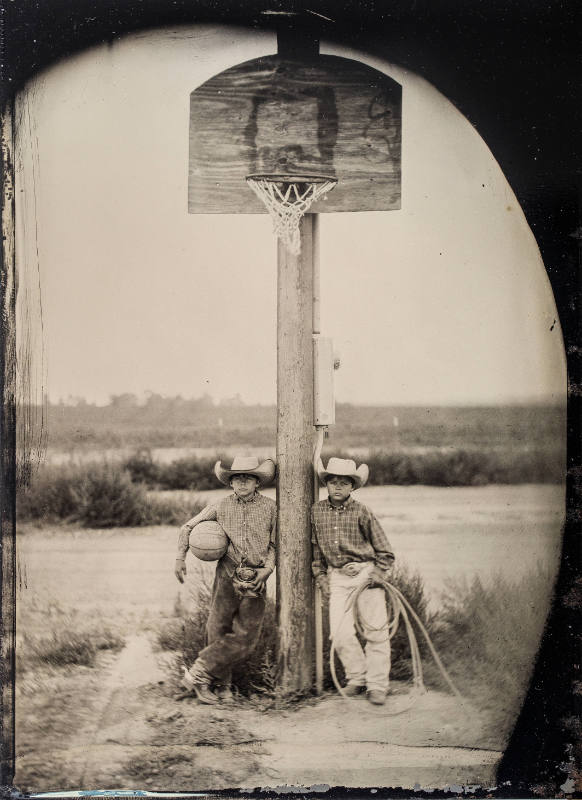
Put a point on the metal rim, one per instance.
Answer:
(285, 178)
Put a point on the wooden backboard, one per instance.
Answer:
(323, 115)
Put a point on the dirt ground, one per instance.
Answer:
(119, 726)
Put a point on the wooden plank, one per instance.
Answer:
(8, 452)
(321, 115)
(294, 457)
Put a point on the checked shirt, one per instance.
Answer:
(249, 525)
(347, 533)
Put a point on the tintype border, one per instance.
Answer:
(513, 69)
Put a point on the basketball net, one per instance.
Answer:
(287, 199)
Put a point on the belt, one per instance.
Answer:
(348, 569)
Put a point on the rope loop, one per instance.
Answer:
(398, 609)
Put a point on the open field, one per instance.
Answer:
(199, 425)
(116, 725)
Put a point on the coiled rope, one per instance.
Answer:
(399, 608)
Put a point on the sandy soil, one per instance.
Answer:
(120, 727)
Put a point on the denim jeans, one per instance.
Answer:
(233, 627)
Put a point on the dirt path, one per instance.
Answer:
(136, 735)
(120, 724)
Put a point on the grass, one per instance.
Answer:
(179, 422)
(68, 647)
(66, 638)
(486, 635)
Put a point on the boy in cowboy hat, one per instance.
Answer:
(350, 547)
(238, 595)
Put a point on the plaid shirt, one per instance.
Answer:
(347, 533)
(250, 526)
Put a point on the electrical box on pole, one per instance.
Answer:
(323, 389)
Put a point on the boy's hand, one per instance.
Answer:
(180, 569)
(260, 579)
(323, 584)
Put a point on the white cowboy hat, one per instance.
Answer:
(246, 465)
(344, 467)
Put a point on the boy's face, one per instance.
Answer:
(244, 485)
(338, 488)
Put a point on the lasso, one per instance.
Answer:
(399, 608)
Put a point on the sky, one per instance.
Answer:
(445, 301)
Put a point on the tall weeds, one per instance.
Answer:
(432, 467)
(98, 495)
(487, 636)
(67, 638)
(186, 634)
(187, 631)
(109, 494)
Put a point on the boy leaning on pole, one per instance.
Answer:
(350, 548)
(237, 608)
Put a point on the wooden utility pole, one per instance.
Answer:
(316, 330)
(7, 452)
(294, 457)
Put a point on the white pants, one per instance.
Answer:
(369, 667)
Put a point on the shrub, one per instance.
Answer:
(98, 495)
(142, 468)
(108, 498)
(161, 510)
(431, 467)
(188, 473)
(187, 631)
(51, 495)
(460, 467)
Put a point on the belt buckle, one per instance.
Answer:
(358, 565)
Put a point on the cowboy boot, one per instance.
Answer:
(225, 694)
(198, 680)
(376, 696)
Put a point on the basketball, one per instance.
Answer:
(208, 541)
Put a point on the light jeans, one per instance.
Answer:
(369, 667)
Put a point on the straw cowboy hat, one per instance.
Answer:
(246, 465)
(344, 467)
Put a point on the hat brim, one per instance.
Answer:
(264, 473)
(358, 478)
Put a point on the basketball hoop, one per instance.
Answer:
(287, 198)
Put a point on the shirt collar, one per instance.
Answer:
(347, 504)
(246, 502)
